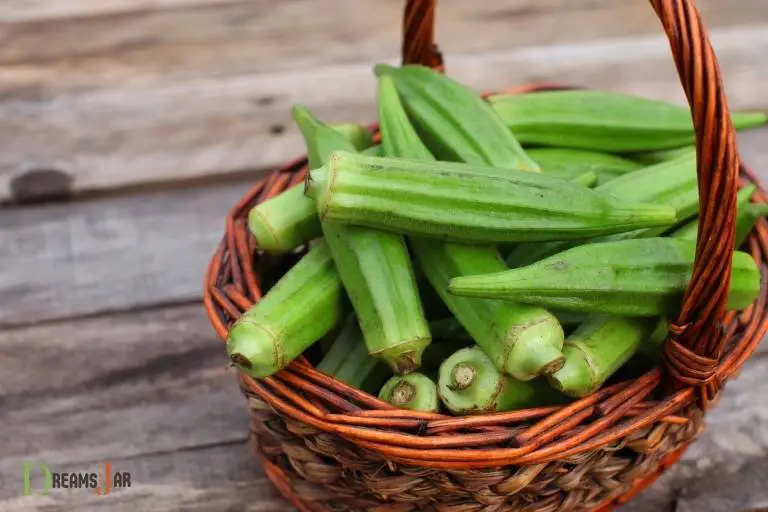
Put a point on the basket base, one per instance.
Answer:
(279, 479)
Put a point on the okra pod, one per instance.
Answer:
(486, 204)
(672, 184)
(304, 305)
(602, 121)
(746, 215)
(657, 157)
(523, 341)
(598, 348)
(585, 179)
(376, 150)
(359, 136)
(398, 136)
(341, 346)
(469, 383)
(569, 163)
(375, 269)
(644, 277)
(348, 359)
(454, 121)
(414, 391)
(289, 220)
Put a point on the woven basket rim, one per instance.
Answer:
(440, 441)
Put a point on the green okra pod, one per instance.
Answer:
(643, 277)
(598, 348)
(602, 121)
(347, 338)
(486, 204)
(375, 268)
(657, 157)
(569, 163)
(469, 384)
(455, 122)
(304, 305)
(746, 215)
(414, 391)
(289, 220)
(376, 271)
(359, 136)
(672, 184)
(523, 341)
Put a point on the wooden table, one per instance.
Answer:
(127, 129)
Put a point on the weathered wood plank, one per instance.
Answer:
(116, 387)
(120, 253)
(115, 254)
(37, 10)
(286, 34)
(120, 136)
(201, 480)
(148, 391)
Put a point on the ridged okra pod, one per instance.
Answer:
(672, 184)
(359, 136)
(341, 345)
(657, 157)
(289, 220)
(602, 121)
(453, 120)
(644, 277)
(521, 340)
(747, 214)
(568, 163)
(414, 391)
(486, 205)
(304, 305)
(470, 384)
(598, 348)
(375, 269)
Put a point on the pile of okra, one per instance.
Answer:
(489, 253)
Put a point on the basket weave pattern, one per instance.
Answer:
(327, 446)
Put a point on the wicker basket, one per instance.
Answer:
(327, 446)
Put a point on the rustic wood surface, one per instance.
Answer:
(128, 128)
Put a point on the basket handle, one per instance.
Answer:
(696, 338)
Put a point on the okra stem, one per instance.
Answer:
(414, 391)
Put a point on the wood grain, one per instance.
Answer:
(109, 254)
(125, 112)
